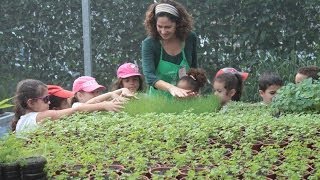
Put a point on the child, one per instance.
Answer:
(129, 77)
(193, 81)
(88, 91)
(307, 72)
(32, 106)
(269, 83)
(228, 85)
(86, 88)
(59, 97)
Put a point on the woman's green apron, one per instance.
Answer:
(168, 72)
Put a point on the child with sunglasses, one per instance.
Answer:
(32, 106)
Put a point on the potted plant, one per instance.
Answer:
(9, 157)
(5, 117)
(33, 167)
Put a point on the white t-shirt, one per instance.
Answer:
(76, 104)
(27, 122)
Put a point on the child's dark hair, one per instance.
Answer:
(196, 78)
(268, 79)
(310, 71)
(232, 81)
(26, 89)
(55, 101)
(118, 84)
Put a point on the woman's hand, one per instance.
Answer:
(178, 92)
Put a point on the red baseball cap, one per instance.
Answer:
(243, 75)
(127, 70)
(59, 91)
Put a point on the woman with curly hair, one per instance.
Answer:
(169, 51)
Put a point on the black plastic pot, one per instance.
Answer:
(33, 168)
(36, 176)
(10, 171)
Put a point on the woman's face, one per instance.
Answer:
(132, 83)
(166, 28)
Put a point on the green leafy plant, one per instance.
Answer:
(159, 104)
(4, 103)
(219, 142)
(297, 98)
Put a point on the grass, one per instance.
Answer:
(159, 104)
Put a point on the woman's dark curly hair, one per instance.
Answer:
(184, 23)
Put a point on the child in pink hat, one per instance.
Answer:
(129, 77)
(86, 88)
(88, 91)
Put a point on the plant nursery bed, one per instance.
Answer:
(242, 142)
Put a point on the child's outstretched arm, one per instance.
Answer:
(102, 106)
(114, 106)
(118, 94)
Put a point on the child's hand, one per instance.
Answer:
(119, 98)
(127, 93)
(113, 106)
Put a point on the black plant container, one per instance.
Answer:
(32, 168)
(10, 171)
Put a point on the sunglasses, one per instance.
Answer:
(45, 99)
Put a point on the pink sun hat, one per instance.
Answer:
(127, 70)
(244, 75)
(87, 84)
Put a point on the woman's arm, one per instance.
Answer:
(173, 90)
(194, 62)
(149, 61)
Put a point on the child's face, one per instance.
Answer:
(65, 104)
(269, 93)
(39, 104)
(300, 77)
(223, 95)
(184, 85)
(86, 96)
(132, 83)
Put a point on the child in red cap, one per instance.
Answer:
(59, 97)
(129, 77)
(228, 85)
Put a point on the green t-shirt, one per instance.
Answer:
(151, 49)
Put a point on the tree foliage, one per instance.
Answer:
(43, 39)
